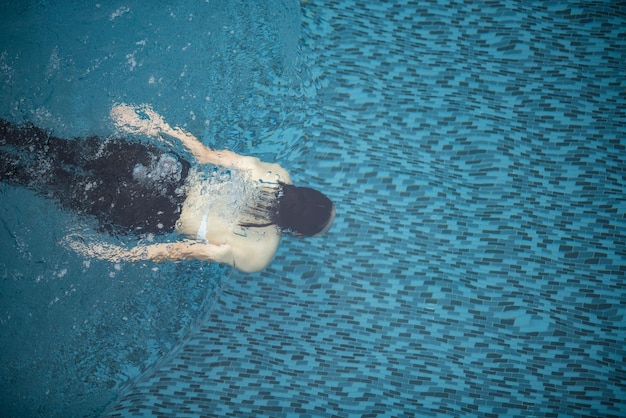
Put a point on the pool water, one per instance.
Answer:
(477, 157)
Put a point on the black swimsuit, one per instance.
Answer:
(129, 187)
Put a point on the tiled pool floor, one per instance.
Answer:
(477, 155)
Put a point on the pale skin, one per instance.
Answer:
(223, 242)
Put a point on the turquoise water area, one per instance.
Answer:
(476, 154)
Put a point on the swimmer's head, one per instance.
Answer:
(304, 211)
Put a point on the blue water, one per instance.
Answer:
(476, 154)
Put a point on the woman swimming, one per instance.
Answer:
(233, 211)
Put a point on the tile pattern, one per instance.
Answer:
(477, 156)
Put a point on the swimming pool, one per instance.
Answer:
(476, 154)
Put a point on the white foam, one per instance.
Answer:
(119, 12)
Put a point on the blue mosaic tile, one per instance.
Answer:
(477, 157)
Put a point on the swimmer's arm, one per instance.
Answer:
(229, 159)
(226, 158)
(176, 251)
(194, 250)
(185, 250)
(142, 119)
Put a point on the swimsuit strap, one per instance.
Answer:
(201, 234)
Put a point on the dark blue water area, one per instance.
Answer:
(197, 63)
(73, 330)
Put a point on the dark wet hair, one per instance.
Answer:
(300, 210)
(303, 210)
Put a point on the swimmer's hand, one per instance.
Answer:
(143, 120)
(101, 251)
(138, 120)
(176, 251)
